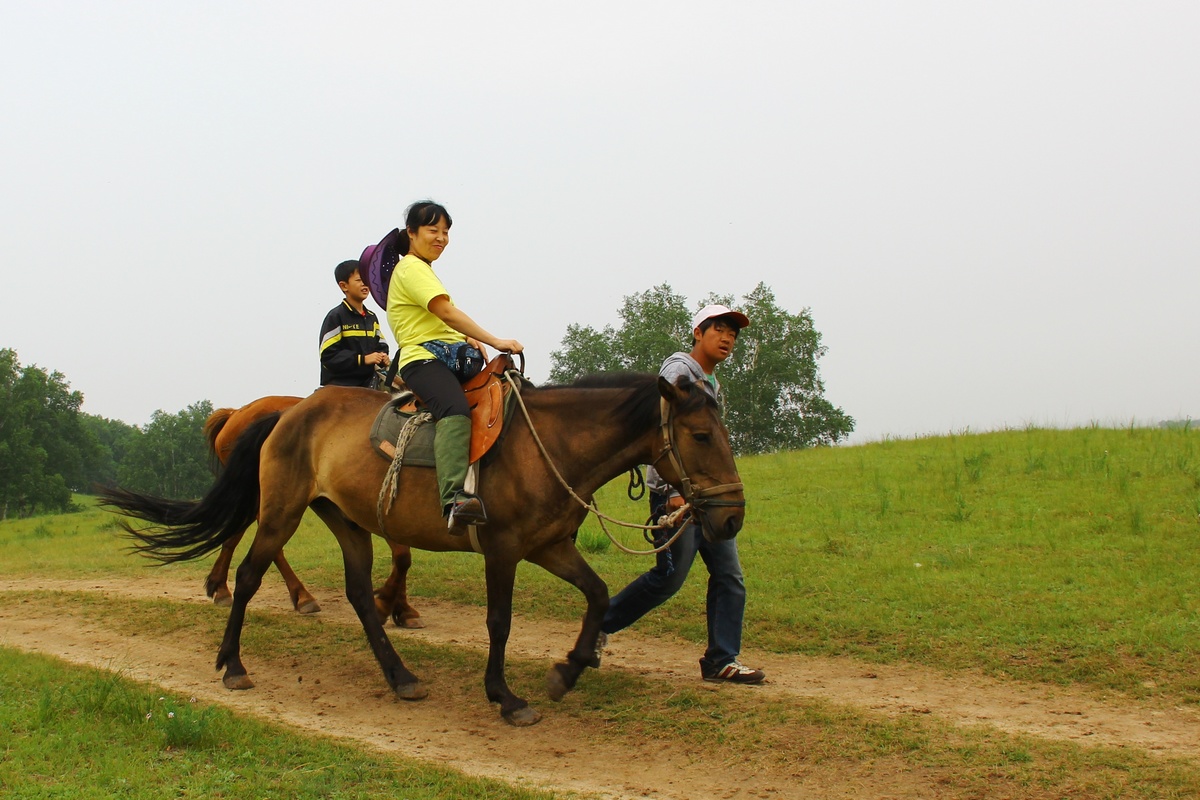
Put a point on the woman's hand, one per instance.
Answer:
(510, 345)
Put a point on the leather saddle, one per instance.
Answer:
(486, 393)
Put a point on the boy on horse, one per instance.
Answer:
(352, 344)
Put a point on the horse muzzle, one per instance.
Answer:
(720, 517)
(721, 526)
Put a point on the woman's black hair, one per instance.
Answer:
(426, 212)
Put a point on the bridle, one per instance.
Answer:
(700, 500)
(696, 500)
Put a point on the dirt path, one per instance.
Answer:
(470, 736)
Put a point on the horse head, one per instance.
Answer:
(697, 459)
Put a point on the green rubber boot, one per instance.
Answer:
(452, 451)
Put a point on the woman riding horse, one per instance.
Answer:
(431, 332)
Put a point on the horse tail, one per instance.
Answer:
(212, 429)
(183, 530)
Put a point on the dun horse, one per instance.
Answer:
(221, 431)
(317, 455)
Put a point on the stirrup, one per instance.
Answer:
(467, 509)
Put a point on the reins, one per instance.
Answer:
(694, 500)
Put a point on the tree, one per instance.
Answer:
(43, 445)
(170, 457)
(774, 396)
(585, 350)
(653, 324)
(114, 439)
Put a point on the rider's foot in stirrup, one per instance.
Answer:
(467, 509)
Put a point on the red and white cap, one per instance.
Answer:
(708, 312)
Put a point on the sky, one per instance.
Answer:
(992, 210)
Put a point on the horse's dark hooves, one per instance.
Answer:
(523, 717)
(557, 685)
(412, 691)
(237, 682)
(411, 622)
(311, 607)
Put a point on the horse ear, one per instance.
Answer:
(670, 392)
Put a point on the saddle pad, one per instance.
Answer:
(485, 433)
(386, 429)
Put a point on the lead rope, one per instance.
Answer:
(664, 522)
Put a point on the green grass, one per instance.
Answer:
(1048, 555)
(71, 732)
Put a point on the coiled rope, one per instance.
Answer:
(391, 481)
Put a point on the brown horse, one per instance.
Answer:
(317, 455)
(221, 430)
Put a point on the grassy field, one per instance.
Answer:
(1067, 557)
(75, 733)
(1060, 556)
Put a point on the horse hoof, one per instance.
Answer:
(556, 685)
(311, 607)
(237, 682)
(412, 622)
(523, 717)
(412, 691)
(223, 601)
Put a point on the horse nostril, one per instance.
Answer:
(732, 526)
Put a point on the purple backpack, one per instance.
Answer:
(376, 263)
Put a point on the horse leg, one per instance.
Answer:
(357, 556)
(392, 598)
(216, 585)
(501, 574)
(302, 601)
(564, 560)
(246, 583)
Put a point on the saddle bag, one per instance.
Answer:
(463, 360)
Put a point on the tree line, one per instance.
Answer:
(774, 400)
(49, 448)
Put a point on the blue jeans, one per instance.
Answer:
(726, 606)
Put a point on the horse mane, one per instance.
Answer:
(639, 407)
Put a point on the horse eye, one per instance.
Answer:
(703, 438)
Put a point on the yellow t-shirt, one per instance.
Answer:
(413, 285)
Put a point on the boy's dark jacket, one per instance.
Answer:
(347, 336)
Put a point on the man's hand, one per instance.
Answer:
(674, 502)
